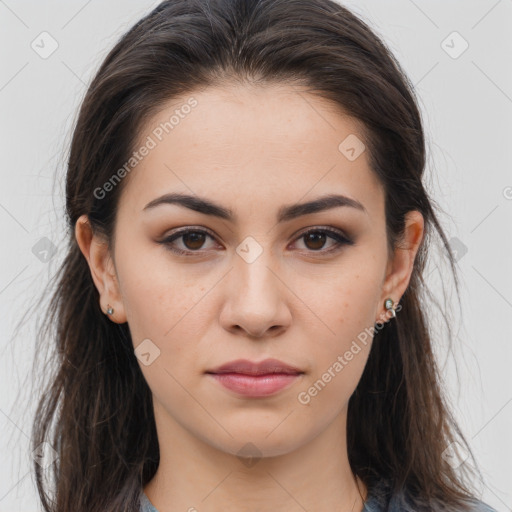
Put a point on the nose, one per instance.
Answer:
(255, 303)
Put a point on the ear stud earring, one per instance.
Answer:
(110, 310)
(388, 304)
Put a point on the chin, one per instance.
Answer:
(254, 444)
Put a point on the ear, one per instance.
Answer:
(400, 266)
(97, 254)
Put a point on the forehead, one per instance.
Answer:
(275, 142)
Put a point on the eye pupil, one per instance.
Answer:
(316, 237)
(197, 239)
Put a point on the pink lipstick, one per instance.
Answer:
(253, 379)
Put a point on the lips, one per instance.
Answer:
(266, 367)
(249, 379)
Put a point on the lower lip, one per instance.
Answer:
(256, 385)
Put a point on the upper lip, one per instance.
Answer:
(247, 367)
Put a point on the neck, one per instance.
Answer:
(193, 474)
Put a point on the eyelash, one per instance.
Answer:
(339, 238)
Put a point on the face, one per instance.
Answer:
(257, 276)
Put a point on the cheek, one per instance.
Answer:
(339, 357)
(357, 314)
(347, 307)
(156, 295)
(345, 301)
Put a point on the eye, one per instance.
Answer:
(315, 239)
(192, 240)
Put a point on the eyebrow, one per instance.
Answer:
(285, 213)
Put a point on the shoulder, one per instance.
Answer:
(377, 501)
(480, 506)
(381, 499)
(145, 504)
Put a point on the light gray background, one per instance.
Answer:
(467, 108)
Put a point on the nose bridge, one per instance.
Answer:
(254, 300)
(254, 279)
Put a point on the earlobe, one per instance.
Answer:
(96, 251)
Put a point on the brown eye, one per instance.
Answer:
(193, 240)
(315, 240)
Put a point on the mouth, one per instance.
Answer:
(252, 379)
(256, 385)
(246, 367)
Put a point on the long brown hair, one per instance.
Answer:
(96, 407)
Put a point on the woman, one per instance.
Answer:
(241, 315)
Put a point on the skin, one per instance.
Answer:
(253, 150)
